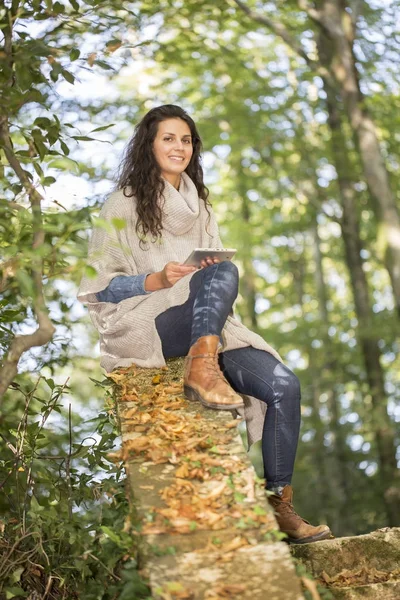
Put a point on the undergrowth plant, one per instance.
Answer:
(65, 529)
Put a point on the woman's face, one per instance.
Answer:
(173, 148)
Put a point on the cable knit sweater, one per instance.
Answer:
(128, 334)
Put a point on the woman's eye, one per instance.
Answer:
(169, 138)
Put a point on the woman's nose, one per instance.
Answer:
(179, 145)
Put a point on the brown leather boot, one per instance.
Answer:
(203, 379)
(298, 530)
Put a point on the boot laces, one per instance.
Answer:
(212, 365)
(287, 507)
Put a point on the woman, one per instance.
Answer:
(148, 306)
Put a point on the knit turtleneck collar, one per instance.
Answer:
(180, 207)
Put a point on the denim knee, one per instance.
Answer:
(225, 265)
(294, 385)
(229, 267)
(292, 392)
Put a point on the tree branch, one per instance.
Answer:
(46, 329)
(280, 30)
(313, 13)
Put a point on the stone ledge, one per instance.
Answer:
(261, 572)
(375, 591)
(365, 566)
(196, 495)
(377, 550)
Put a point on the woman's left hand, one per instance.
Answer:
(206, 262)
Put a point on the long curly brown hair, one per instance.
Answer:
(140, 175)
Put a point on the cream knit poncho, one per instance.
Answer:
(128, 334)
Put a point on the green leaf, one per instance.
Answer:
(35, 506)
(48, 181)
(38, 169)
(118, 223)
(104, 65)
(64, 148)
(42, 122)
(16, 575)
(83, 451)
(103, 128)
(14, 591)
(50, 383)
(83, 138)
(90, 272)
(58, 8)
(239, 497)
(111, 534)
(68, 76)
(56, 69)
(258, 510)
(25, 283)
(74, 54)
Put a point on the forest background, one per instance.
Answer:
(298, 107)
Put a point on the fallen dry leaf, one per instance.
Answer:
(128, 414)
(137, 444)
(182, 471)
(116, 377)
(237, 542)
(173, 389)
(234, 423)
(128, 398)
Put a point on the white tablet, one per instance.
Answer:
(199, 254)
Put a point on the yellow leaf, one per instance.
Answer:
(91, 58)
(183, 471)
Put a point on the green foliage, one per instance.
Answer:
(66, 525)
(46, 45)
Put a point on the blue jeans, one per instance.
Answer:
(249, 371)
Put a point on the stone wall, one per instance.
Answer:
(207, 530)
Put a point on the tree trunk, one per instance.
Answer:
(382, 424)
(342, 476)
(337, 30)
(247, 281)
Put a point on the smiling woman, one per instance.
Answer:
(149, 306)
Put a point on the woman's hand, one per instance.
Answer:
(206, 262)
(173, 272)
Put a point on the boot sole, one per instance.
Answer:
(192, 394)
(325, 535)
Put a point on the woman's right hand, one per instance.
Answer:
(173, 272)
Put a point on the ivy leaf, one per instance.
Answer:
(111, 534)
